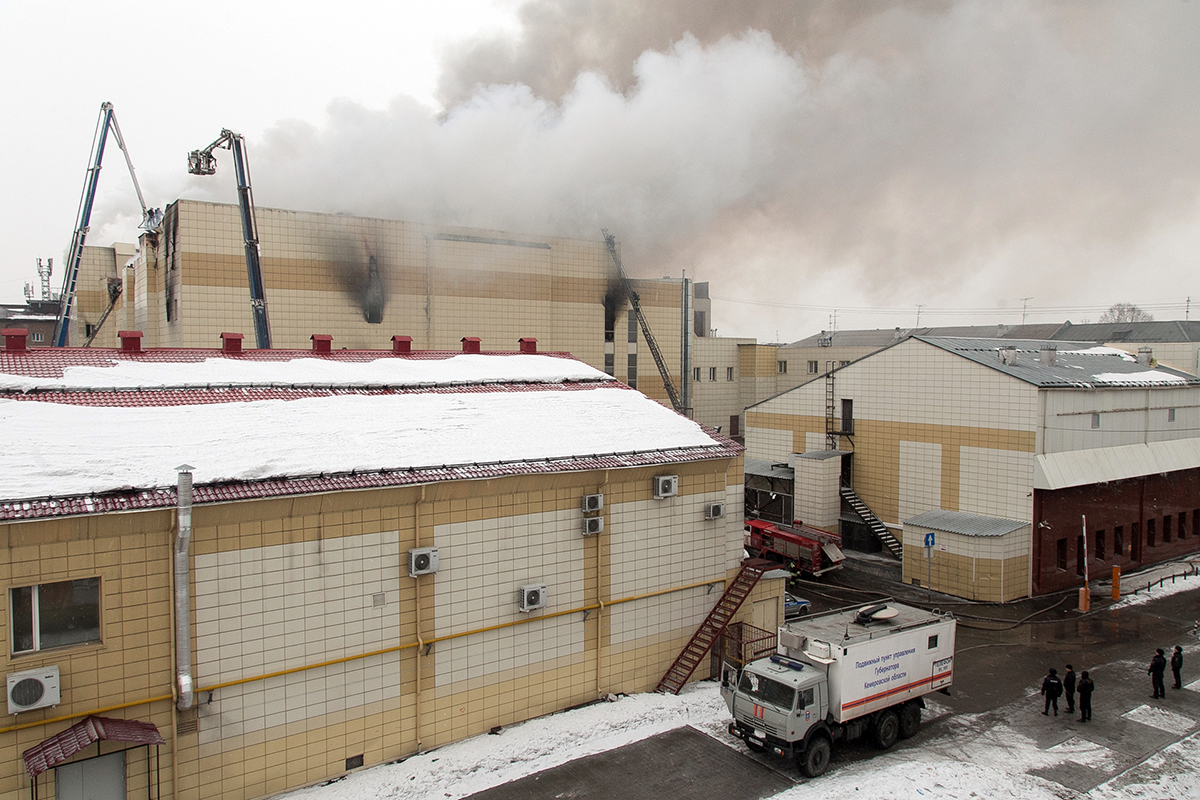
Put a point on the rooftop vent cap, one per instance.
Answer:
(131, 341)
(15, 339)
(231, 343)
(322, 342)
(401, 344)
(1007, 355)
(528, 344)
(1049, 355)
(1145, 356)
(470, 344)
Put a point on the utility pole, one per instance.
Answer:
(919, 307)
(1024, 303)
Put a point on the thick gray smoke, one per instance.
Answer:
(966, 153)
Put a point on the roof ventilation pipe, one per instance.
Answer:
(1049, 354)
(1145, 356)
(183, 615)
(1008, 355)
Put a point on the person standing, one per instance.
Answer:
(1085, 697)
(1177, 665)
(1158, 665)
(1068, 682)
(1051, 689)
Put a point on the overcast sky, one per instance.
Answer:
(965, 157)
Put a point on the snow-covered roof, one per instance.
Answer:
(98, 430)
(1076, 365)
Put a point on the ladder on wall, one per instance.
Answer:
(885, 536)
(714, 624)
(831, 431)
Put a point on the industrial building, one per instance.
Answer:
(383, 552)
(998, 448)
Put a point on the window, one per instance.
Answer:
(1150, 531)
(1079, 559)
(696, 374)
(55, 615)
(729, 373)
(1100, 545)
(1166, 528)
(781, 366)
(712, 373)
(633, 326)
(807, 697)
(933, 640)
(1183, 524)
(1118, 541)
(39, 337)
(610, 366)
(632, 371)
(1170, 415)
(813, 366)
(1095, 420)
(847, 416)
(1062, 554)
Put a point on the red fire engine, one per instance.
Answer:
(812, 550)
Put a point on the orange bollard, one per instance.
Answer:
(1116, 592)
(1085, 599)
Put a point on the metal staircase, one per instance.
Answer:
(831, 431)
(873, 522)
(716, 621)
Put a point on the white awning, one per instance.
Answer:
(1083, 467)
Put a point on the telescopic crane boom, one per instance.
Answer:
(611, 241)
(150, 216)
(203, 162)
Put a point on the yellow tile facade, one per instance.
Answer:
(312, 645)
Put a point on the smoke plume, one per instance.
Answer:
(828, 153)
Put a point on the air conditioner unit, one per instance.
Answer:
(593, 525)
(714, 510)
(35, 688)
(593, 502)
(665, 486)
(532, 597)
(422, 561)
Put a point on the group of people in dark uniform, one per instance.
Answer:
(1054, 687)
(1158, 666)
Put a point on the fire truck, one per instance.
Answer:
(810, 549)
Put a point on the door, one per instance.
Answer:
(765, 614)
(100, 778)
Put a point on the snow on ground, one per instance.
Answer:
(1181, 583)
(305, 370)
(140, 447)
(961, 763)
(1161, 718)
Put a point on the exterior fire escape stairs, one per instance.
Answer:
(714, 624)
(873, 522)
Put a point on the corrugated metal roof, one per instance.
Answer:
(966, 524)
(59, 748)
(1139, 332)
(881, 337)
(1077, 365)
(822, 455)
(1100, 465)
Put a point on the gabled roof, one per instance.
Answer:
(87, 431)
(1139, 332)
(881, 337)
(1077, 365)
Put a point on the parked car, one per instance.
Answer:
(794, 606)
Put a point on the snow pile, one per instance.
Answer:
(304, 370)
(1153, 376)
(56, 450)
(476, 764)
(1172, 585)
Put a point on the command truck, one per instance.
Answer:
(811, 549)
(840, 675)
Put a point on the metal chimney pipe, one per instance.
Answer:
(183, 611)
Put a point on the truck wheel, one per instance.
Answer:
(815, 760)
(887, 729)
(910, 720)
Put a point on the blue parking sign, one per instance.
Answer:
(929, 539)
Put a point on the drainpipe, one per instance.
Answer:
(183, 612)
(685, 377)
